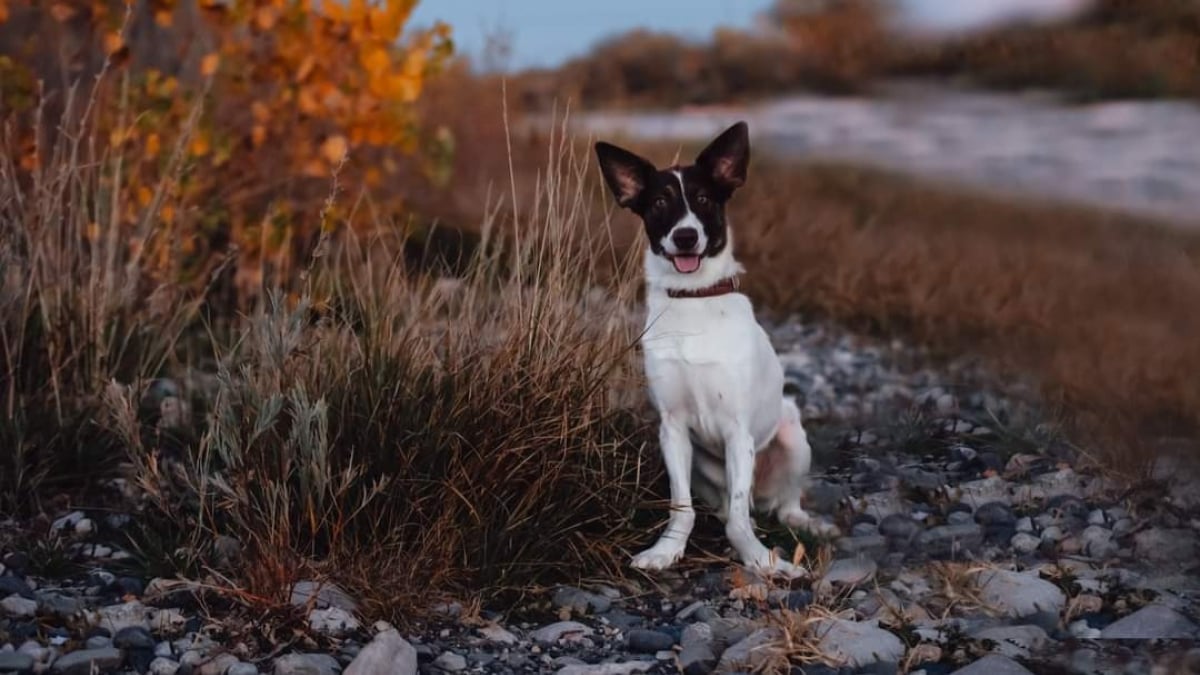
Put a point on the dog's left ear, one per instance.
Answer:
(627, 174)
(727, 158)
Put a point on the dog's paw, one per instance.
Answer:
(796, 518)
(657, 557)
(768, 564)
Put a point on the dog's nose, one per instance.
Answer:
(685, 239)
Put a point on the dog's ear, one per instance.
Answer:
(727, 158)
(626, 173)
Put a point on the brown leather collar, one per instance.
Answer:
(722, 287)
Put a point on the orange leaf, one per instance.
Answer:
(199, 146)
(163, 18)
(152, 146)
(266, 17)
(209, 64)
(113, 43)
(334, 149)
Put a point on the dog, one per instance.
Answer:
(726, 430)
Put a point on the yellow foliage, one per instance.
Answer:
(298, 88)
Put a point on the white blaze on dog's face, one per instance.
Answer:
(683, 207)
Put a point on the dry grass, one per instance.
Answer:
(405, 436)
(1099, 307)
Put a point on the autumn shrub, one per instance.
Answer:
(271, 96)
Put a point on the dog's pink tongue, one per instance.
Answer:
(686, 263)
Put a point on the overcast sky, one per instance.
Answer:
(547, 32)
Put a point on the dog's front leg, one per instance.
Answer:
(739, 470)
(677, 455)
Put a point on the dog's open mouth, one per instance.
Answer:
(686, 264)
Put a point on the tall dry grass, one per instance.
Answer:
(402, 435)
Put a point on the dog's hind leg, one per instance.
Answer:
(739, 528)
(677, 455)
(792, 441)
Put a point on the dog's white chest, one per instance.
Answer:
(711, 366)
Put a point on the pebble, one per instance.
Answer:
(951, 541)
(307, 664)
(133, 637)
(995, 514)
(752, 652)
(242, 668)
(645, 641)
(163, 666)
(322, 596)
(333, 621)
(847, 573)
(15, 662)
(1021, 596)
(388, 653)
(561, 630)
(86, 661)
(19, 607)
(899, 527)
(581, 601)
(993, 664)
(857, 644)
(1152, 622)
(1015, 641)
(68, 521)
(1025, 543)
(1163, 545)
(451, 662)
(498, 634)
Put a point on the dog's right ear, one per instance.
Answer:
(626, 173)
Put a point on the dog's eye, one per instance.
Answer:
(660, 203)
(701, 198)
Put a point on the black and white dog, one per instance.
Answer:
(727, 432)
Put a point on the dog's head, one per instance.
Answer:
(682, 207)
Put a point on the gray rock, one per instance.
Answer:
(1015, 641)
(995, 514)
(242, 668)
(752, 652)
(557, 631)
(161, 665)
(387, 654)
(993, 664)
(687, 612)
(88, 661)
(19, 607)
(873, 546)
(727, 631)
(1024, 524)
(498, 634)
(976, 493)
(696, 657)
(322, 596)
(217, 665)
(1162, 545)
(10, 585)
(951, 540)
(607, 668)
(644, 641)
(1021, 596)
(1098, 542)
(15, 662)
(307, 664)
(333, 621)
(68, 521)
(899, 528)
(60, 605)
(1053, 534)
(133, 637)
(1024, 543)
(858, 644)
(451, 662)
(1152, 622)
(98, 642)
(581, 601)
(115, 617)
(847, 573)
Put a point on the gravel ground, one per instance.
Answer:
(971, 542)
